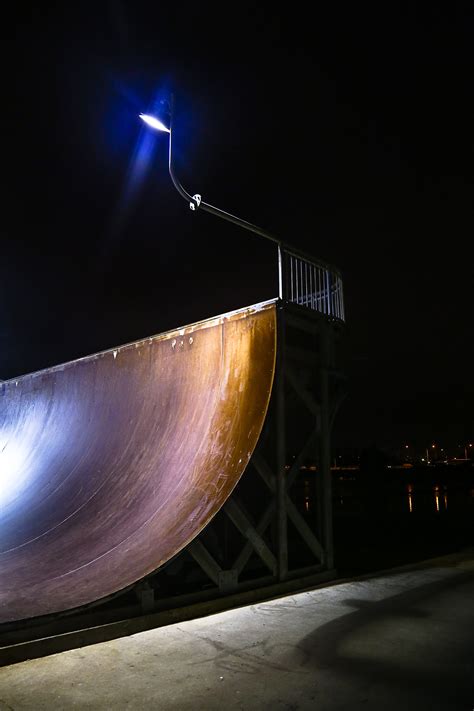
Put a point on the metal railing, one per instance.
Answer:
(306, 282)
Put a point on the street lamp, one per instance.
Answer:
(195, 201)
(301, 279)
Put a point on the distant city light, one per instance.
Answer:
(154, 122)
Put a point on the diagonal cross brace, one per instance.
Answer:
(241, 521)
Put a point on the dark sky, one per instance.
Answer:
(345, 130)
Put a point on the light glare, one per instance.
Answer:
(154, 122)
(14, 470)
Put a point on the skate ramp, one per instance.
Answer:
(111, 464)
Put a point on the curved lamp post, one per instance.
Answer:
(301, 279)
(195, 201)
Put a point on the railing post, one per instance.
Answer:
(280, 272)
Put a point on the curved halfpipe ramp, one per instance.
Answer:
(111, 464)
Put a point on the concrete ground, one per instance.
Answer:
(402, 639)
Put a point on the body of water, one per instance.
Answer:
(395, 515)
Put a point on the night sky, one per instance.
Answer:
(347, 131)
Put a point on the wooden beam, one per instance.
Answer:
(242, 522)
(202, 556)
(264, 470)
(295, 467)
(304, 530)
(281, 450)
(244, 555)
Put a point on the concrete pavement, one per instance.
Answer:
(401, 639)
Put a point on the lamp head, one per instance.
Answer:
(153, 122)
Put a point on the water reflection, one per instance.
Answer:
(439, 497)
(352, 496)
(436, 496)
(307, 492)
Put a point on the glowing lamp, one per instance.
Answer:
(153, 122)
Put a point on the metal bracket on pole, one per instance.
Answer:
(195, 202)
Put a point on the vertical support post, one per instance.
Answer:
(280, 272)
(325, 447)
(281, 450)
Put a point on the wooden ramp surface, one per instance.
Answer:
(111, 464)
